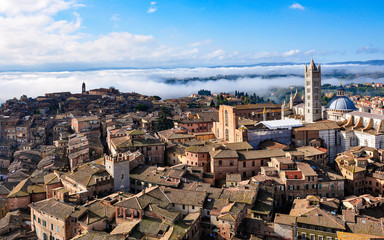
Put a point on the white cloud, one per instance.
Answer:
(369, 49)
(32, 37)
(152, 7)
(49, 7)
(200, 43)
(218, 54)
(115, 20)
(297, 6)
(310, 52)
(290, 53)
(151, 81)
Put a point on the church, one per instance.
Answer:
(308, 107)
(355, 128)
(303, 121)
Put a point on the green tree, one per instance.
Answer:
(165, 121)
(142, 107)
(157, 98)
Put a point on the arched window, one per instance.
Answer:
(226, 118)
(226, 135)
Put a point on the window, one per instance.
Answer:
(57, 228)
(220, 163)
(122, 176)
(183, 206)
(298, 187)
(44, 223)
(34, 217)
(244, 164)
(320, 237)
(51, 226)
(320, 186)
(253, 163)
(226, 117)
(303, 236)
(313, 237)
(38, 220)
(231, 163)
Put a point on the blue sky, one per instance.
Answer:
(61, 34)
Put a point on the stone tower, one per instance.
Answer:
(312, 92)
(118, 167)
(83, 89)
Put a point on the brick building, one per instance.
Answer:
(84, 124)
(228, 127)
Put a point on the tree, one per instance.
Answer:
(142, 107)
(246, 100)
(164, 121)
(157, 98)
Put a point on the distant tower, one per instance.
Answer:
(283, 106)
(118, 167)
(312, 92)
(264, 115)
(83, 89)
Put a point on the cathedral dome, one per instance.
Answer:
(341, 103)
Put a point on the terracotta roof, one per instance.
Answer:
(26, 187)
(366, 226)
(260, 154)
(224, 154)
(285, 219)
(318, 217)
(198, 149)
(125, 227)
(231, 212)
(87, 174)
(239, 146)
(257, 106)
(309, 151)
(239, 195)
(57, 209)
(306, 169)
(321, 125)
(153, 174)
(90, 235)
(356, 236)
